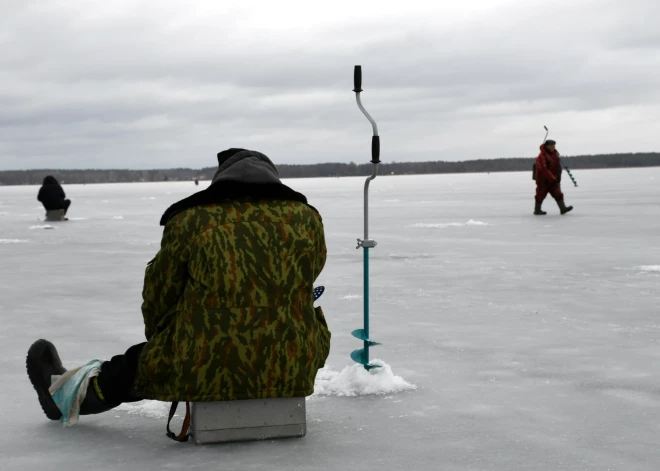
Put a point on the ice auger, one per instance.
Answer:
(362, 355)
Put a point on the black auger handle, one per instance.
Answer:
(357, 79)
(375, 140)
(375, 150)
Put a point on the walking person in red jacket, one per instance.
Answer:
(548, 178)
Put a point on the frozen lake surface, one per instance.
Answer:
(532, 341)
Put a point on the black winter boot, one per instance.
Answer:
(537, 210)
(562, 207)
(43, 362)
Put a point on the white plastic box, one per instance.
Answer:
(251, 419)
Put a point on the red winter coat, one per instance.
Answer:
(548, 167)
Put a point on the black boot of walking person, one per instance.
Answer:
(537, 209)
(563, 209)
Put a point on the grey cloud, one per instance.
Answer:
(147, 90)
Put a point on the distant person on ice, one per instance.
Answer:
(227, 304)
(52, 195)
(548, 178)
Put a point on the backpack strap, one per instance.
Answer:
(183, 435)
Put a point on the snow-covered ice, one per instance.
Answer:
(532, 343)
(450, 224)
(152, 409)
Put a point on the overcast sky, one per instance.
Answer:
(159, 84)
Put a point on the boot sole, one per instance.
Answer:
(33, 365)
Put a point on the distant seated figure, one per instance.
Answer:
(52, 196)
(227, 304)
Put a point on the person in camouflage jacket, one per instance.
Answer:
(227, 301)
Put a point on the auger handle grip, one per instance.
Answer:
(375, 150)
(357, 79)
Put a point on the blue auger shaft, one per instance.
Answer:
(569, 172)
(366, 303)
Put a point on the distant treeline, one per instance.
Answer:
(35, 177)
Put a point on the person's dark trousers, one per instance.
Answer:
(118, 375)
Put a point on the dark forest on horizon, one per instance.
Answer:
(36, 176)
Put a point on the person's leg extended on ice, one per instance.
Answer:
(548, 178)
(227, 303)
(92, 388)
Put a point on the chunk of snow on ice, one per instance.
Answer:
(444, 224)
(44, 226)
(118, 217)
(651, 268)
(105, 201)
(77, 219)
(356, 381)
(12, 241)
(352, 296)
(153, 409)
(450, 224)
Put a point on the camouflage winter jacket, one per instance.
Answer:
(228, 308)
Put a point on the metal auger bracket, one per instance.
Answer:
(366, 244)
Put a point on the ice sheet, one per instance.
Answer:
(533, 342)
